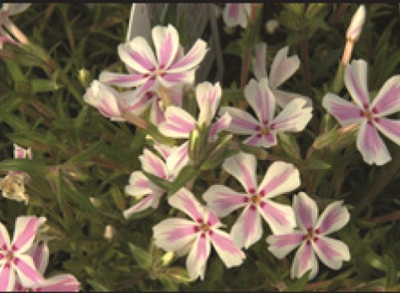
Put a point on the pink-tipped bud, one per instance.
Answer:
(354, 31)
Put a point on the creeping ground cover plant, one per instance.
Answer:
(260, 152)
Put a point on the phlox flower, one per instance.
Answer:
(7, 10)
(371, 116)
(236, 14)
(282, 68)
(15, 261)
(311, 237)
(256, 199)
(174, 159)
(58, 283)
(293, 117)
(170, 68)
(13, 184)
(198, 233)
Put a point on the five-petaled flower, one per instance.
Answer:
(58, 283)
(311, 237)
(15, 261)
(293, 117)
(171, 68)
(282, 68)
(175, 158)
(369, 115)
(280, 178)
(198, 234)
(236, 14)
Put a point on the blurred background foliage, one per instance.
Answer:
(82, 161)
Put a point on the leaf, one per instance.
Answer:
(41, 85)
(299, 284)
(168, 284)
(316, 164)
(97, 286)
(32, 167)
(185, 175)
(141, 256)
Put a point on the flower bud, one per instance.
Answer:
(109, 232)
(356, 24)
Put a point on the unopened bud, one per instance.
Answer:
(109, 232)
(356, 24)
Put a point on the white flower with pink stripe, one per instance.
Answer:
(282, 68)
(256, 200)
(170, 68)
(197, 234)
(263, 129)
(174, 159)
(236, 14)
(58, 283)
(311, 237)
(369, 115)
(15, 261)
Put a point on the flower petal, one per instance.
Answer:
(306, 211)
(122, 79)
(259, 139)
(40, 254)
(280, 178)
(157, 115)
(294, 117)
(356, 82)
(259, 64)
(151, 200)
(196, 261)
(236, 14)
(14, 8)
(247, 229)
(61, 283)
(172, 79)
(230, 254)
(138, 55)
(261, 99)
(303, 261)
(387, 101)
(371, 146)
(25, 232)
(208, 97)
(283, 98)
(219, 125)
(333, 218)
(192, 59)
(185, 201)
(133, 103)
(242, 122)
(139, 184)
(223, 200)
(4, 238)
(178, 123)
(178, 159)
(281, 245)
(166, 43)
(282, 67)
(344, 111)
(279, 217)
(174, 234)
(7, 278)
(27, 272)
(243, 167)
(390, 128)
(331, 252)
(152, 164)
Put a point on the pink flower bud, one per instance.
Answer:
(356, 24)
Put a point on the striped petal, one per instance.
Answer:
(151, 200)
(242, 122)
(223, 200)
(303, 261)
(282, 67)
(331, 252)
(174, 234)
(282, 245)
(133, 103)
(7, 278)
(280, 178)
(294, 117)
(40, 254)
(152, 164)
(236, 14)
(357, 83)
(61, 283)
(279, 217)
(247, 229)
(25, 232)
(283, 98)
(138, 55)
(261, 99)
(219, 125)
(333, 218)
(172, 79)
(4, 238)
(259, 63)
(306, 211)
(259, 139)
(390, 128)
(230, 254)
(243, 167)
(387, 101)
(208, 97)
(178, 159)
(166, 43)
(196, 261)
(139, 184)
(371, 146)
(122, 79)
(178, 123)
(344, 111)
(27, 272)
(192, 59)
(185, 201)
